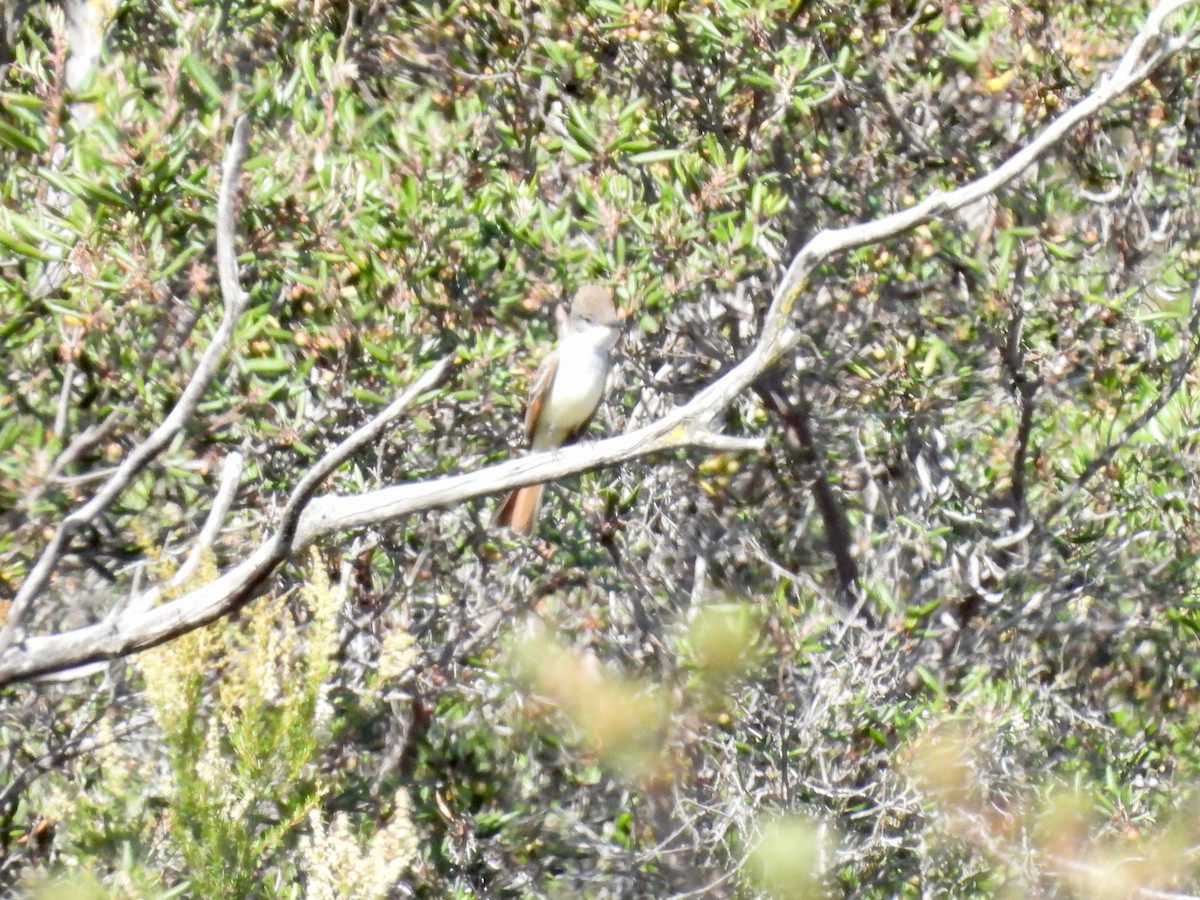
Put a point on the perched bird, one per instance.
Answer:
(566, 391)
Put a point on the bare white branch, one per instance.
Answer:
(343, 451)
(227, 268)
(139, 601)
(683, 428)
(366, 433)
(140, 627)
(231, 476)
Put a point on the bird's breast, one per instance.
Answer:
(575, 393)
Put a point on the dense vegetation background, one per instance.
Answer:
(938, 638)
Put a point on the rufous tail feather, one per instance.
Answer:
(520, 510)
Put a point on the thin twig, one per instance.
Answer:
(1025, 387)
(64, 399)
(80, 444)
(80, 744)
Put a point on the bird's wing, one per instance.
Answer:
(540, 391)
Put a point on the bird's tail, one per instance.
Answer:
(520, 510)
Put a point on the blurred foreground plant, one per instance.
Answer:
(1052, 843)
(232, 801)
(651, 733)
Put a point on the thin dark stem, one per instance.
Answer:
(810, 460)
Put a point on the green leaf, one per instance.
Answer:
(17, 139)
(367, 396)
(35, 231)
(202, 79)
(23, 101)
(265, 365)
(579, 126)
(23, 248)
(655, 156)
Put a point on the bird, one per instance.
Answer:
(566, 391)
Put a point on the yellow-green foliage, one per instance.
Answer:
(228, 797)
